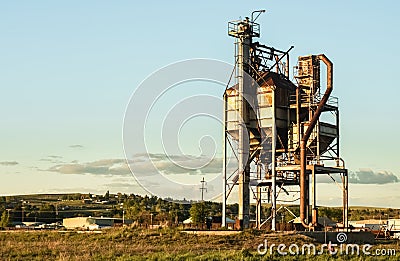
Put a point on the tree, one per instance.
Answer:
(335, 213)
(5, 219)
(107, 195)
(133, 212)
(47, 213)
(198, 212)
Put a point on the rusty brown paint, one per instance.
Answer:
(304, 186)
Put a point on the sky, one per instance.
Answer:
(69, 68)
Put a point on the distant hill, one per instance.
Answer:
(54, 207)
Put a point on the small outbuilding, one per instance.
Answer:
(93, 223)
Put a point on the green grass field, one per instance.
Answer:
(163, 244)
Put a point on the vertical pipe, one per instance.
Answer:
(346, 216)
(224, 162)
(259, 200)
(318, 141)
(345, 199)
(303, 144)
(273, 163)
(243, 146)
(287, 65)
(298, 109)
(288, 126)
(337, 138)
(314, 198)
(315, 217)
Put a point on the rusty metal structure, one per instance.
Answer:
(282, 132)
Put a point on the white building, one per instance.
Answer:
(371, 224)
(393, 226)
(93, 223)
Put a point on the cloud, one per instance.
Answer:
(367, 176)
(363, 176)
(99, 167)
(54, 157)
(178, 164)
(182, 173)
(8, 163)
(125, 185)
(76, 146)
(148, 165)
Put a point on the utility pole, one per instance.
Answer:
(202, 189)
(123, 214)
(8, 215)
